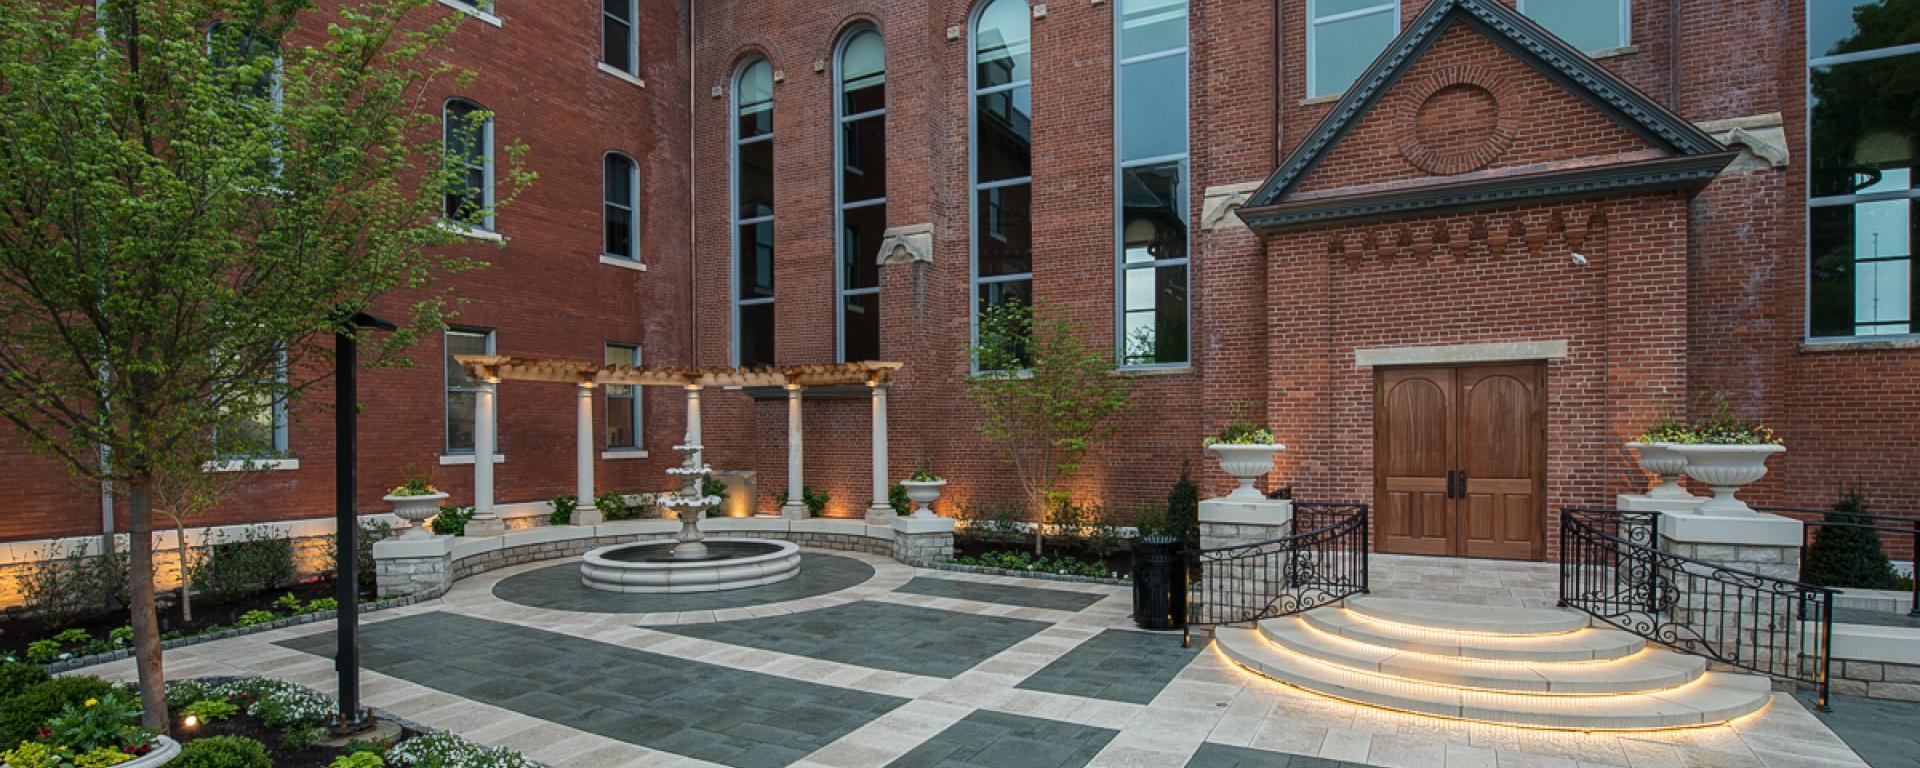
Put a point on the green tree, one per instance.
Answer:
(1046, 397)
(1849, 557)
(1183, 509)
(195, 194)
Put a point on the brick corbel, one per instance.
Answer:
(1762, 139)
(1218, 206)
(908, 244)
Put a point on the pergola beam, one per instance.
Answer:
(560, 370)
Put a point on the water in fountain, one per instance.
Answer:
(693, 563)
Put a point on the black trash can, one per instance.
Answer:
(1159, 583)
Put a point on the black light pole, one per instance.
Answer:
(346, 363)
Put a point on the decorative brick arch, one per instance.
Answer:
(1456, 120)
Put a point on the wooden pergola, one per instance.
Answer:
(490, 370)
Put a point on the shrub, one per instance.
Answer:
(613, 505)
(258, 560)
(371, 531)
(223, 752)
(441, 750)
(1849, 557)
(1026, 561)
(22, 716)
(43, 651)
(110, 721)
(319, 604)
(897, 498)
(287, 603)
(210, 710)
(1103, 534)
(1183, 511)
(64, 586)
(563, 507)
(814, 501)
(452, 521)
(359, 760)
(251, 618)
(121, 636)
(16, 677)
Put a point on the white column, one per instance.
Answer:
(880, 511)
(584, 512)
(693, 421)
(486, 520)
(796, 506)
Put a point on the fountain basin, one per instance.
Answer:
(729, 564)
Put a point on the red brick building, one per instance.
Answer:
(1489, 237)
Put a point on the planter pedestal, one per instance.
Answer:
(1637, 502)
(923, 541)
(1763, 543)
(406, 567)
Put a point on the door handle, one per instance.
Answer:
(1461, 484)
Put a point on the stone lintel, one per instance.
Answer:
(1501, 351)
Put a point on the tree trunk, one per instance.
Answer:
(186, 575)
(146, 619)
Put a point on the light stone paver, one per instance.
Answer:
(1212, 714)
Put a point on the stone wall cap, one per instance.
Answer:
(399, 549)
(1236, 512)
(1883, 645)
(1756, 530)
(913, 526)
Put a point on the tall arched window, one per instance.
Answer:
(1150, 137)
(622, 207)
(1002, 176)
(469, 140)
(860, 189)
(753, 214)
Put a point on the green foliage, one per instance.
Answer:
(22, 715)
(1047, 417)
(1026, 561)
(251, 618)
(257, 560)
(319, 604)
(16, 677)
(1719, 427)
(43, 651)
(1102, 537)
(287, 603)
(121, 636)
(452, 521)
(712, 486)
(1183, 510)
(65, 586)
(997, 523)
(210, 710)
(442, 750)
(897, 498)
(1669, 429)
(613, 505)
(815, 501)
(1241, 429)
(563, 507)
(223, 752)
(110, 720)
(923, 473)
(359, 760)
(416, 485)
(371, 531)
(1851, 558)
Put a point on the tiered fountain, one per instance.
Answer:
(691, 562)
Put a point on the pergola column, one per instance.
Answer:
(796, 506)
(584, 510)
(693, 421)
(486, 520)
(880, 510)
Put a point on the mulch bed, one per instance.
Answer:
(1120, 561)
(16, 630)
(312, 756)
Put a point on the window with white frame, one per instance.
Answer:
(1343, 38)
(753, 214)
(254, 425)
(860, 189)
(1589, 25)
(622, 207)
(1002, 171)
(468, 133)
(463, 391)
(1861, 192)
(1151, 181)
(619, 46)
(623, 401)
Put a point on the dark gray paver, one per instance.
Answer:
(703, 711)
(1028, 597)
(1213, 755)
(1117, 665)
(558, 587)
(987, 739)
(900, 638)
(1884, 733)
(1874, 618)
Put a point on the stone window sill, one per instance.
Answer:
(1327, 99)
(1865, 344)
(458, 459)
(623, 453)
(472, 11)
(623, 75)
(469, 230)
(252, 465)
(1154, 370)
(623, 263)
(1612, 53)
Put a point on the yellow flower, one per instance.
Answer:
(91, 702)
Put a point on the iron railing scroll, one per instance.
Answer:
(1323, 562)
(1612, 568)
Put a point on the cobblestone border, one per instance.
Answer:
(83, 662)
(1042, 575)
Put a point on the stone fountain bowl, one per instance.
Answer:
(730, 564)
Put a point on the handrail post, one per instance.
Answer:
(1366, 545)
(1826, 650)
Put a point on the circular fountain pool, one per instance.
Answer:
(725, 564)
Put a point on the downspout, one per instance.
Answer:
(693, 195)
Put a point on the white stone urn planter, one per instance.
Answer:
(164, 751)
(1247, 463)
(416, 511)
(1662, 460)
(1725, 469)
(923, 493)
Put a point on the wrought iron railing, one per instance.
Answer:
(1324, 562)
(1612, 568)
(1818, 521)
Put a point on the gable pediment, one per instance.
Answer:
(1472, 106)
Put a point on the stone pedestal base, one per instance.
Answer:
(794, 511)
(587, 516)
(1644, 503)
(881, 514)
(406, 567)
(922, 540)
(1226, 522)
(493, 526)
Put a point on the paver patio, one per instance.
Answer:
(652, 681)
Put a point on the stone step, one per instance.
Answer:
(1648, 670)
(1476, 619)
(1588, 644)
(1713, 697)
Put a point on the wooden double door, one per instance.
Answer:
(1460, 460)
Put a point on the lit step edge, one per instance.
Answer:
(1496, 620)
(1647, 671)
(1590, 644)
(1715, 697)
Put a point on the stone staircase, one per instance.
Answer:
(1514, 666)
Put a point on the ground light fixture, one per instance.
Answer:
(351, 717)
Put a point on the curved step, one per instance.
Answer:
(1714, 697)
(1588, 644)
(1482, 619)
(1648, 670)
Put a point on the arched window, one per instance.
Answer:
(1001, 173)
(622, 209)
(860, 109)
(468, 134)
(753, 214)
(1150, 137)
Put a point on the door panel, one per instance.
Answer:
(1414, 449)
(1499, 446)
(1486, 423)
